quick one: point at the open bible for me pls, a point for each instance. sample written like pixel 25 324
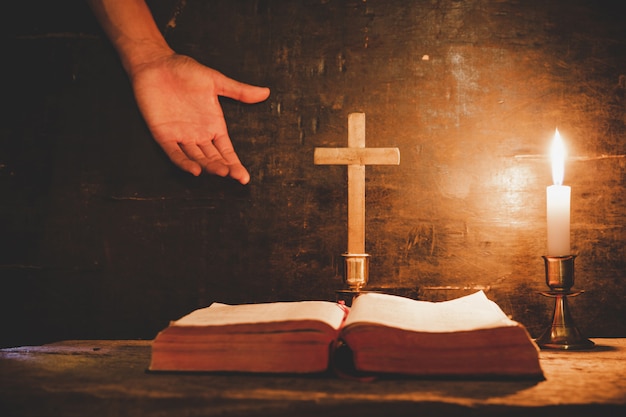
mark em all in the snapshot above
pixel 384 334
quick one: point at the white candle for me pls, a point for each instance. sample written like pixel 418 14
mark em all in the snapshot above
pixel 558 203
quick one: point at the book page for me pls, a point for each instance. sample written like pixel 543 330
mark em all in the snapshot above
pixel 218 314
pixel 471 312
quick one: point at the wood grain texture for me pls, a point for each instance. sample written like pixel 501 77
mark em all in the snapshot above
pixel 356 156
pixel 38 380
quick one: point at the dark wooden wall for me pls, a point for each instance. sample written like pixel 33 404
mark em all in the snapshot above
pixel 102 237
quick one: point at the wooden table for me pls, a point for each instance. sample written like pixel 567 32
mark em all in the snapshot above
pixel 109 378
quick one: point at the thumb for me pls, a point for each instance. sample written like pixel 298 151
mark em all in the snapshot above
pixel 246 93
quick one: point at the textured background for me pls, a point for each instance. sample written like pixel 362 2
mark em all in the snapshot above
pixel 102 237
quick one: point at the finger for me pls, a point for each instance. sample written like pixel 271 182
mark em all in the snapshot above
pixel 208 157
pixel 180 159
pixel 237 171
pixel 223 146
pixel 240 173
pixel 239 91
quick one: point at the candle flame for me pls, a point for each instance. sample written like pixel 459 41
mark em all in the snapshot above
pixel 557 154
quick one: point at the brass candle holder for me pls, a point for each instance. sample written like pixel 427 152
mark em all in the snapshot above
pixel 563 333
pixel 356 270
pixel 355 276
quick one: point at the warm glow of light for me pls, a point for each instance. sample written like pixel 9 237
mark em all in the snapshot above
pixel 557 154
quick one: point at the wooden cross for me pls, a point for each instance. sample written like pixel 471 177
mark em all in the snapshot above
pixel 356 156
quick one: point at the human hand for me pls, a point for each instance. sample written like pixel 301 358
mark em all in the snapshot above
pixel 178 98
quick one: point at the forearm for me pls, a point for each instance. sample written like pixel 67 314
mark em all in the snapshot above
pixel 131 28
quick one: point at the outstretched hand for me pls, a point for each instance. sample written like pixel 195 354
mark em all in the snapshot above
pixel 178 98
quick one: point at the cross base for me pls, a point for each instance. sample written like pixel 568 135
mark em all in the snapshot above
pixel 356 270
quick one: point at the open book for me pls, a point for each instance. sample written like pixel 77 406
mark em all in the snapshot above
pixel 385 334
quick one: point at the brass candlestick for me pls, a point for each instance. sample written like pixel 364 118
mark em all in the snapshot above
pixel 563 333
pixel 356 270
pixel 355 276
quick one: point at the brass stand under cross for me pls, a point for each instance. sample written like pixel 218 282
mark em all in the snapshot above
pixel 356 156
